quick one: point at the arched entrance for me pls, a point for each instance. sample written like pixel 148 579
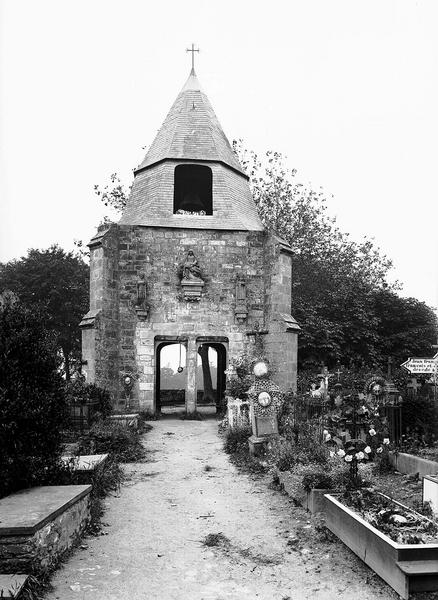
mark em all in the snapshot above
pixel 171 375
pixel 210 373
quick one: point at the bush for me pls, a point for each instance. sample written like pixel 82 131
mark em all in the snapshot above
pixel 236 441
pixel 112 437
pixel 32 399
pixel 318 479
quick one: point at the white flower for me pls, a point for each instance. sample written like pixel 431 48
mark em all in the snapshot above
pixel 348 458
pixel 372 432
pixel 332 454
pixel 360 455
pixel 341 452
pixel 328 437
pixel 367 450
pixel 386 441
pixel 379 449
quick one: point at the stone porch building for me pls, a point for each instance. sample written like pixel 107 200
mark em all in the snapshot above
pixel 188 263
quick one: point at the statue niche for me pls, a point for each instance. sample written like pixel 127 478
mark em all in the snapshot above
pixel 191 280
pixel 140 305
pixel 241 308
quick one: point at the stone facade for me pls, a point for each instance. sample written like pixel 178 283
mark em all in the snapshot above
pixel 245 273
pixel 117 342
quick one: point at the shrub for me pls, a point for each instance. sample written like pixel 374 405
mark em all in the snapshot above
pixel 116 438
pixel 32 399
pixel 318 480
pixel 236 440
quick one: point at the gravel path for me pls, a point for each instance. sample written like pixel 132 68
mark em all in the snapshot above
pixel 152 546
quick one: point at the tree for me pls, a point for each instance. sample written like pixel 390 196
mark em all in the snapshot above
pixel 341 296
pixel 58 282
pixel 32 402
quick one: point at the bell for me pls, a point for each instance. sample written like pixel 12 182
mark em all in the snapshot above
pixel 191 202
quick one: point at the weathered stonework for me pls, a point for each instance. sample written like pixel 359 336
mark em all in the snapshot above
pixel 206 306
pixel 123 343
pixel 36 527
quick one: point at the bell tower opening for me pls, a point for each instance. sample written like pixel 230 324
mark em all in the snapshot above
pixel 193 190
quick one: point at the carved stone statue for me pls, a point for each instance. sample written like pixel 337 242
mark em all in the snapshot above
pixel 190 268
pixel 141 291
pixel 191 280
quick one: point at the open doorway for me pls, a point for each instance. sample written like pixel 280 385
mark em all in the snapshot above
pixel 171 376
pixel 210 377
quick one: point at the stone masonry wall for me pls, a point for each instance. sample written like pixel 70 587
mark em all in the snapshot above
pixel 100 343
pixel 30 553
pixel 158 253
pixel 129 344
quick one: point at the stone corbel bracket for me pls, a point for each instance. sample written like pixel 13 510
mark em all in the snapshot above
pixel 142 312
pixel 192 290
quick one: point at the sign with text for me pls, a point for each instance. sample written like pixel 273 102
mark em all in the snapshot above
pixel 417 366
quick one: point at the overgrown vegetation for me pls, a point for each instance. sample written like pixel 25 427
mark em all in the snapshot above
pixel 123 442
pixel 341 294
pixel 32 399
pixel 56 283
pixel 236 445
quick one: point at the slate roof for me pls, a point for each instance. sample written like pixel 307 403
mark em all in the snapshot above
pixel 191 131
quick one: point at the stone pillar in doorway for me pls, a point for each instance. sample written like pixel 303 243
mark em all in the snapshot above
pixel 192 364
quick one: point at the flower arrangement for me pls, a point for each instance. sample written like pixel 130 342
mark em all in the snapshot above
pixel 354 451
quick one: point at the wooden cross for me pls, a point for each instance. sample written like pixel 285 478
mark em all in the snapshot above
pixel 193 50
pixel 390 362
pixel 414 385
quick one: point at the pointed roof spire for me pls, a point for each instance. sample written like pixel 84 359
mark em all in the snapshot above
pixel 191 131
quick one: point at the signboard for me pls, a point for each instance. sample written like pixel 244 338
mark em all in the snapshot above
pixel 417 366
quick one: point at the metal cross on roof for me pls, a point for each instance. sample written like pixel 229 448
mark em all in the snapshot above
pixel 193 50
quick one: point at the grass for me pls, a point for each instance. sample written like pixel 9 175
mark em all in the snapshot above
pixel 123 442
pixel 215 539
pixel 236 446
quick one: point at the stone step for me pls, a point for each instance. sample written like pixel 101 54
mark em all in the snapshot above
pixel 422 574
pixel 11 585
pixel 419 567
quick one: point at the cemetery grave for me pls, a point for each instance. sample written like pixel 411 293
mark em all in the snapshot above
pixel 378 512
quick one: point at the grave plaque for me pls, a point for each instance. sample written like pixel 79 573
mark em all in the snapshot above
pixel 265 399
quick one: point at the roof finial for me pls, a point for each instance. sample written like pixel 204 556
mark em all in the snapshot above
pixel 193 50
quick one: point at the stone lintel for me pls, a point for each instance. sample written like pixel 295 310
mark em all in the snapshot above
pixel 27 511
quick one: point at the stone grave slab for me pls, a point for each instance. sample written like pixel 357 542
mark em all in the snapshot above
pixel 11 585
pixel 38 524
pixel 130 420
pixel 85 462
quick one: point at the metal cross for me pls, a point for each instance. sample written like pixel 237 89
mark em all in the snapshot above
pixel 193 50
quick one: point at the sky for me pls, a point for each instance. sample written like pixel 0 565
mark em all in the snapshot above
pixel 347 90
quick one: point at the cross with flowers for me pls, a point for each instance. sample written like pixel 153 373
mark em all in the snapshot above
pixel 356 451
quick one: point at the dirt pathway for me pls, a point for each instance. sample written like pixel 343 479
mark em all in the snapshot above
pixel 152 550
